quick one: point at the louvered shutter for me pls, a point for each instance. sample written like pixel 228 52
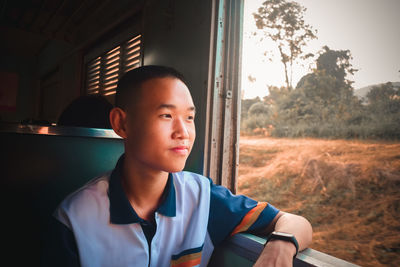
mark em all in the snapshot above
pixel 103 72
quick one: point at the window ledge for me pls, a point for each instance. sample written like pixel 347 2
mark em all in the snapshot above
pixel 244 249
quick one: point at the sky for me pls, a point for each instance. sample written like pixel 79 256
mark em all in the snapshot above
pixel 370 29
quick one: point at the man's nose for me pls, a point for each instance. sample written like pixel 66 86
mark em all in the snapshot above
pixel 180 129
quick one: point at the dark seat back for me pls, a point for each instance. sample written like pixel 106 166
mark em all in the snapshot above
pixel 39 170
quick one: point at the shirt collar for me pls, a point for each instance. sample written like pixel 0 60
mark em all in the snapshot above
pixel 121 211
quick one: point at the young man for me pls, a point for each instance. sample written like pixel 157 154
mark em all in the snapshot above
pixel 147 212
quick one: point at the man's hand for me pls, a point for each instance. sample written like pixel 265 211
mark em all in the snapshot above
pixel 277 253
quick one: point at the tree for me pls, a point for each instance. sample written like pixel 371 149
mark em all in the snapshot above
pixel 323 103
pixel 245 105
pixel 336 66
pixel 384 111
pixel 336 63
pixel 258 116
pixel 283 22
pixel 384 99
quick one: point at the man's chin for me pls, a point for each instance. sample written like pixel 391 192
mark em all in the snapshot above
pixel 175 168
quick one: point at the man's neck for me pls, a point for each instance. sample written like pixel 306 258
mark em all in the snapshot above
pixel 143 187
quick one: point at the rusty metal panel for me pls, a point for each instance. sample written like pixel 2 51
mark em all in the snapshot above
pixel 221 153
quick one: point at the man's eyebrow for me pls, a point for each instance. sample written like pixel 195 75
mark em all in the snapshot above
pixel 171 106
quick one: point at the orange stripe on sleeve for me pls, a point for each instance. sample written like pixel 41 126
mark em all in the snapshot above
pixel 187 260
pixel 250 218
pixel 189 263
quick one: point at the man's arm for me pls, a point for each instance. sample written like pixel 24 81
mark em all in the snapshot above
pixel 231 214
pixel 278 252
pixel 60 248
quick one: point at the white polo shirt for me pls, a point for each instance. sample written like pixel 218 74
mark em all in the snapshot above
pixel 97 226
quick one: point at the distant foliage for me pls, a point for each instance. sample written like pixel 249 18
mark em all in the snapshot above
pixel 323 105
pixel 384 111
pixel 258 117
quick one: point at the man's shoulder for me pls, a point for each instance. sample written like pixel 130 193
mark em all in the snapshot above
pixel 87 197
pixel 191 185
pixel 186 177
pixel 97 185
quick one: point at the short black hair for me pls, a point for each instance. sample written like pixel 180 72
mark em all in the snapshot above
pixel 130 83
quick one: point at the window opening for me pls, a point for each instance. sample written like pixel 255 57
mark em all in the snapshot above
pixel 322 140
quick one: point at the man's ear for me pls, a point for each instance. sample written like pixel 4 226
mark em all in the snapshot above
pixel 118 120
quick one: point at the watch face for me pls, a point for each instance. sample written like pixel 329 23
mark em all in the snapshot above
pixel 282 234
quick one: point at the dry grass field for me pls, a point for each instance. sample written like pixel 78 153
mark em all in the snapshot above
pixel 349 190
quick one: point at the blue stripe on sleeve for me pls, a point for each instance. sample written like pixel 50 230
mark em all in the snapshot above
pixel 187 252
pixel 227 211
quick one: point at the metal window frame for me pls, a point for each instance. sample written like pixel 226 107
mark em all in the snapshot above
pixel 223 103
pixel 244 249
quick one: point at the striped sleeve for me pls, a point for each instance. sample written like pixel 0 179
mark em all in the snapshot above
pixel 190 257
pixel 231 214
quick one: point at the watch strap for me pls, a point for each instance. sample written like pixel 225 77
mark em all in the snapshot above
pixel 284 237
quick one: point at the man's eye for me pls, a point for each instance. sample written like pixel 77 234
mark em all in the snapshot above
pixel 166 116
pixel 190 118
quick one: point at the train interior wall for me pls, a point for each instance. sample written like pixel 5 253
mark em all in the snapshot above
pixel 50 67
pixel 50 72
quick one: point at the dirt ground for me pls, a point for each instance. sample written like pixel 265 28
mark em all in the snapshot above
pixel 348 189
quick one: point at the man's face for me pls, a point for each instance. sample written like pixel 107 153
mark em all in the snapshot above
pixel 160 127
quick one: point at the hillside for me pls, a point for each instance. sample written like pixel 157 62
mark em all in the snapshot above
pixel 363 91
pixel 349 190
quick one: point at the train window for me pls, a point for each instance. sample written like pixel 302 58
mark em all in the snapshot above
pixel 103 72
pixel 322 140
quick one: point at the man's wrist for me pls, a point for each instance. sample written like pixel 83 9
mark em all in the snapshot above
pixel 284 247
pixel 285 238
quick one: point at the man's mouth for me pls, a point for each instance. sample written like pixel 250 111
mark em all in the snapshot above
pixel 182 150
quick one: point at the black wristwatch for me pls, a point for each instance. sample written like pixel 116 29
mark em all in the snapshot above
pixel 285 237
